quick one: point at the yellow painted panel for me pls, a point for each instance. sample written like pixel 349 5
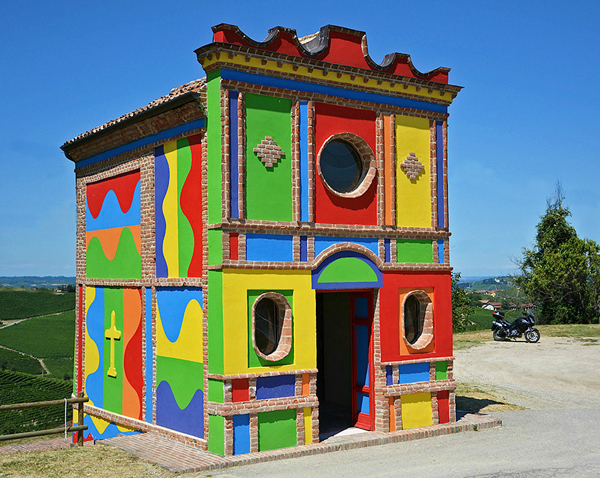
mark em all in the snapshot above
pixel 345 79
pixel 171 244
pixel 308 426
pixel 236 283
pixel 188 345
pixel 413 197
pixel 416 410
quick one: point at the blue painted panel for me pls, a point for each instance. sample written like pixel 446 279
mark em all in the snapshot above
pixel 161 185
pixel 94 324
pixel 111 214
pixel 303 248
pixel 363 403
pixel 322 243
pixel 303 142
pixel 275 387
pixel 241 434
pixel 167 134
pixel 388 250
pixel 269 247
pixel 439 153
pixel 414 372
pixel 330 90
pixel 389 377
pixel 440 251
pixel 362 308
pixel 362 355
pixel 149 355
pixel 171 303
pixel 233 154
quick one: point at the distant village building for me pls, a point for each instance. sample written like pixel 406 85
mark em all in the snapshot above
pixel 263 253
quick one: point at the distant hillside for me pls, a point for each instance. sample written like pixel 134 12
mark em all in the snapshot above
pixel 47 282
pixel 22 303
pixel 492 283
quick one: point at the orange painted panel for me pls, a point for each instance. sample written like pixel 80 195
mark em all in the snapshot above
pixel 109 238
pixel 132 345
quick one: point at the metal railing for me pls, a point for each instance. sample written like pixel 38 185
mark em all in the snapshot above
pixel 80 400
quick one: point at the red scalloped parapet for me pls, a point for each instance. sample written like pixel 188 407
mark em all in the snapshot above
pixel 332 44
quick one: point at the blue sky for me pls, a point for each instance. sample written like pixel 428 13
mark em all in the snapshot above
pixel 525 119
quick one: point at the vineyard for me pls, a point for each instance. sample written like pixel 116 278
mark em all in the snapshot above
pixel 17 387
pixel 22 303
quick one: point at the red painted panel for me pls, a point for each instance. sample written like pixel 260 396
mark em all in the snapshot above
pixel 191 204
pixel 443 406
pixel 234 246
pixel 390 312
pixel 239 390
pixel 123 186
pixel 330 208
pixel 80 341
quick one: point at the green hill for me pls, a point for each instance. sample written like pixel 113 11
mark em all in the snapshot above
pixel 22 303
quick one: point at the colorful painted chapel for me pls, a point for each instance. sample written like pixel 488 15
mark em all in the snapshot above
pixel 262 254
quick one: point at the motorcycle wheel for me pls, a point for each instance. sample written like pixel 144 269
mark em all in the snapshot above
pixel 532 335
pixel 497 336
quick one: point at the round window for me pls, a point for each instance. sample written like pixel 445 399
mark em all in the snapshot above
pixel 413 319
pixel 267 326
pixel 341 166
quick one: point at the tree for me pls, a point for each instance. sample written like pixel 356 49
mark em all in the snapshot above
pixel 561 273
pixel 460 306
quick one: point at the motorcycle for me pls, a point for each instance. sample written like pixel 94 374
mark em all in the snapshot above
pixel 502 329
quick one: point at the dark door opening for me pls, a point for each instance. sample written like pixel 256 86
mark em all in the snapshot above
pixel 343 355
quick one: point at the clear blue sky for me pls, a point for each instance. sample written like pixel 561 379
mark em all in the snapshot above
pixel 525 119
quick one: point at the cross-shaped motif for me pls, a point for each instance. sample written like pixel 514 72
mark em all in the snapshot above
pixel 268 151
pixel 112 334
pixel 412 167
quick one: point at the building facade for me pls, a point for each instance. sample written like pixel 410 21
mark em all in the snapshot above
pixel 262 254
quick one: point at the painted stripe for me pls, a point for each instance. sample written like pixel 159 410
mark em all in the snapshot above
pixel 322 243
pixel 330 90
pixel 413 373
pixel 440 251
pixel 303 248
pixel 387 169
pixel 241 434
pixel 149 355
pixel 234 210
pixel 161 175
pixel 303 143
pixel 389 378
pixel 166 134
pixel 388 250
pixel 439 152
pixel 269 247
pixel 170 209
pixel 307 412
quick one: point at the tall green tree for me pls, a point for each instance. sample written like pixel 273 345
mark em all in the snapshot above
pixel 460 306
pixel 561 273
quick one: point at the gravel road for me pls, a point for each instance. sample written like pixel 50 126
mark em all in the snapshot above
pixel 555 373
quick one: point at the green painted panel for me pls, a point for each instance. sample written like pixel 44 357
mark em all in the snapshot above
pixel 347 269
pixel 277 430
pixel 215 322
pixel 215 391
pixel 216 434
pixel 253 359
pixel 441 370
pixel 184 377
pixel 215 246
pixel 414 250
pixel 186 235
pixel 213 146
pixel 113 386
pixel 268 189
pixel 127 263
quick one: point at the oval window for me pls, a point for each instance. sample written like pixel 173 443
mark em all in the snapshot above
pixel 341 166
pixel 413 319
pixel 267 326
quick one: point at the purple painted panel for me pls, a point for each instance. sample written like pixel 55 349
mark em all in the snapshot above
pixel 190 420
pixel 275 387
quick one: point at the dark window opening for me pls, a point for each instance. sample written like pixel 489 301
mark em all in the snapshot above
pixel 341 166
pixel 413 319
pixel 267 326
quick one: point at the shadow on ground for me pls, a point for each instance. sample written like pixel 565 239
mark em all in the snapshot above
pixel 477 405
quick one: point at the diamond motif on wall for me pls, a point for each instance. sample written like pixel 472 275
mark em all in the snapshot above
pixel 412 167
pixel 268 151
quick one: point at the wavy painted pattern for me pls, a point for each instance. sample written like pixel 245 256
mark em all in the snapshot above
pixel 113 238
pixel 178 208
pixel 100 429
pixel 121 308
pixel 179 360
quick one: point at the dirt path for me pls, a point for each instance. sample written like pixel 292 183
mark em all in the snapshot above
pixel 555 373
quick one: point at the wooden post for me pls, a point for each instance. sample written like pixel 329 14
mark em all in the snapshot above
pixel 80 419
